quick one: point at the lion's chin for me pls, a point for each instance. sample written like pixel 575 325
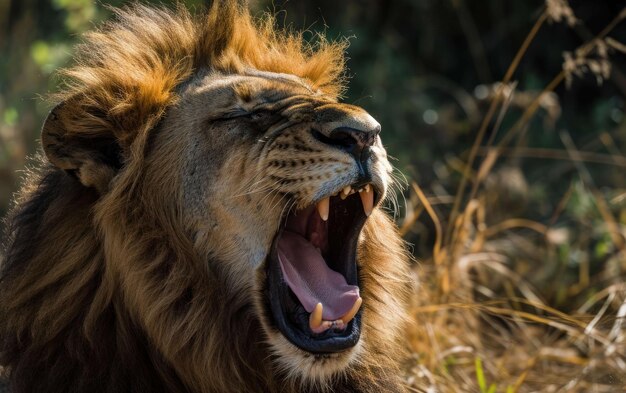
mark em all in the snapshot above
pixel 312 290
pixel 310 369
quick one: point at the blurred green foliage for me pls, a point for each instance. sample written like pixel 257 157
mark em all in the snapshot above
pixel 425 69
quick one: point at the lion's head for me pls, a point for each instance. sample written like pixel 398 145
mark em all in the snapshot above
pixel 212 205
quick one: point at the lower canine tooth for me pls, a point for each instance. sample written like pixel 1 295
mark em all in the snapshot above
pixel 315 319
pixel 350 314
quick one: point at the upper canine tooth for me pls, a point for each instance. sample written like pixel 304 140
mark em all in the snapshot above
pixel 367 198
pixel 323 207
pixel 367 188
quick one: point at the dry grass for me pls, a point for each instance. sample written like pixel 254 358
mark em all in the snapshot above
pixel 479 323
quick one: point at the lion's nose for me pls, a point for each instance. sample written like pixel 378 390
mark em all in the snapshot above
pixel 356 142
pixel 348 128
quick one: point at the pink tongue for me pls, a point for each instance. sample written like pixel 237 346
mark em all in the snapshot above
pixel 312 280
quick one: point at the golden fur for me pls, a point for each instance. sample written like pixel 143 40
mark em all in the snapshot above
pixel 135 252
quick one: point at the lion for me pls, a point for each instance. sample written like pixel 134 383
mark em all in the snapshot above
pixel 205 217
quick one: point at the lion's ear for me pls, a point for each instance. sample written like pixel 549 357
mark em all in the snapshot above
pixel 93 156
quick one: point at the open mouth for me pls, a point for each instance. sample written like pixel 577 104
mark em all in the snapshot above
pixel 313 287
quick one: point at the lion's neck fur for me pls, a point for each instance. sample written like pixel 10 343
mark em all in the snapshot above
pixel 71 316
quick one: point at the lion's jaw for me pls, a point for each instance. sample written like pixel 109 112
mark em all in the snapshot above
pixel 265 161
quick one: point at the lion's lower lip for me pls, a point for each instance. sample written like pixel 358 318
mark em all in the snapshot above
pixel 291 306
